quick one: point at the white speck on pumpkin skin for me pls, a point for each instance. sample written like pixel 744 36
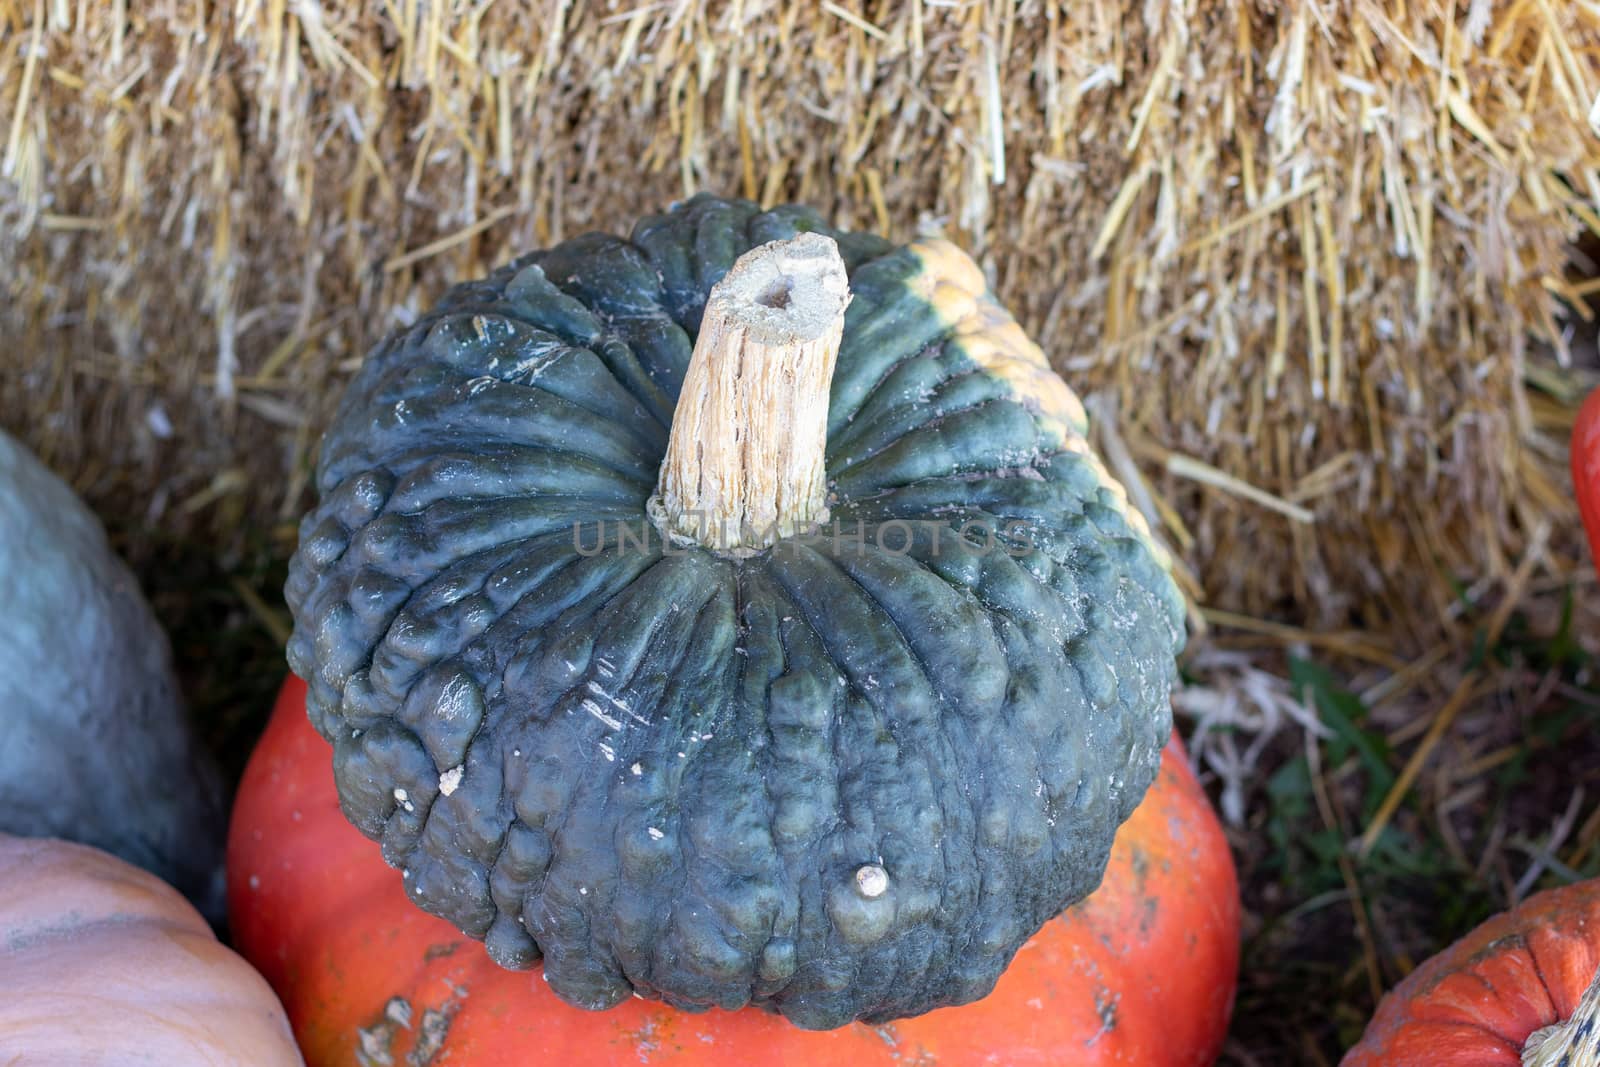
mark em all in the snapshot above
pixel 872 881
pixel 594 709
pixel 398 1011
pixel 455 700
pixel 450 780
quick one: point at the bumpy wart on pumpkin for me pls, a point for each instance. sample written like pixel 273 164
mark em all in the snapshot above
pixel 844 775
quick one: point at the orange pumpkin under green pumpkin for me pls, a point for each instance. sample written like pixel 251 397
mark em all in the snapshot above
pixel 105 965
pixel 1142 972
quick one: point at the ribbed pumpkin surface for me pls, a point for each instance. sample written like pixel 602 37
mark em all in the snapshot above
pixel 1476 1003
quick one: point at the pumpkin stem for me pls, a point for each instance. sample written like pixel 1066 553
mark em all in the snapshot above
pixel 744 465
pixel 1573 1043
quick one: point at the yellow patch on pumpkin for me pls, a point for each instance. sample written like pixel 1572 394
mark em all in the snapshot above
pixel 956 288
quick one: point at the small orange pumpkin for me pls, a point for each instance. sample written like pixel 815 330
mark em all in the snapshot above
pixel 104 964
pixel 1142 972
pixel 1482 1001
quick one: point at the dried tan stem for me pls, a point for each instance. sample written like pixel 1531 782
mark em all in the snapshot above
pixel 744 464
pixel 1573 1043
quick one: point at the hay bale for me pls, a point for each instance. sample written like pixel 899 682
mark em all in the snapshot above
pixel 1300 247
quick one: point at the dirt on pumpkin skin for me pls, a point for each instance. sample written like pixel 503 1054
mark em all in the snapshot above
pixel 1105 1006
pixel 376 1042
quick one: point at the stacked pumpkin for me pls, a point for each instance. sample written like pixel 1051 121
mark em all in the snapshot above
pixel 732 616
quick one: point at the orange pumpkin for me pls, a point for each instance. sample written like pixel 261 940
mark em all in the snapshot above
pixel 1140 973
pixel 1585 456
pixel 1482 1001
pixel 104 964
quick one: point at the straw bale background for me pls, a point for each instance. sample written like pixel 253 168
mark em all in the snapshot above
pixel 1313 261
pixel 1303 245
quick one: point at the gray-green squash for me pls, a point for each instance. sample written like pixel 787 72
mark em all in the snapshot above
pixel 95 745
pixel 843 776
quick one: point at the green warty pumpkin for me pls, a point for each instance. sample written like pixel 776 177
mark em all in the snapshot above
pixel 843 777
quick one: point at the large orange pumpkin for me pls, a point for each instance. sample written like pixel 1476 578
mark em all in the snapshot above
pixel 102 963
pixel 1140 973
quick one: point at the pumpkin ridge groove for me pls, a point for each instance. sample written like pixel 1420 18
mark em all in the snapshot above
pixel 632 427
pixel 936 422
pixel 770 756
pixel 892 617
pixel 494 559
pixel 929 352
pixel 608 346
pixel 849 416
pixel 1538 970
pixel 874 422
pixel 551 353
